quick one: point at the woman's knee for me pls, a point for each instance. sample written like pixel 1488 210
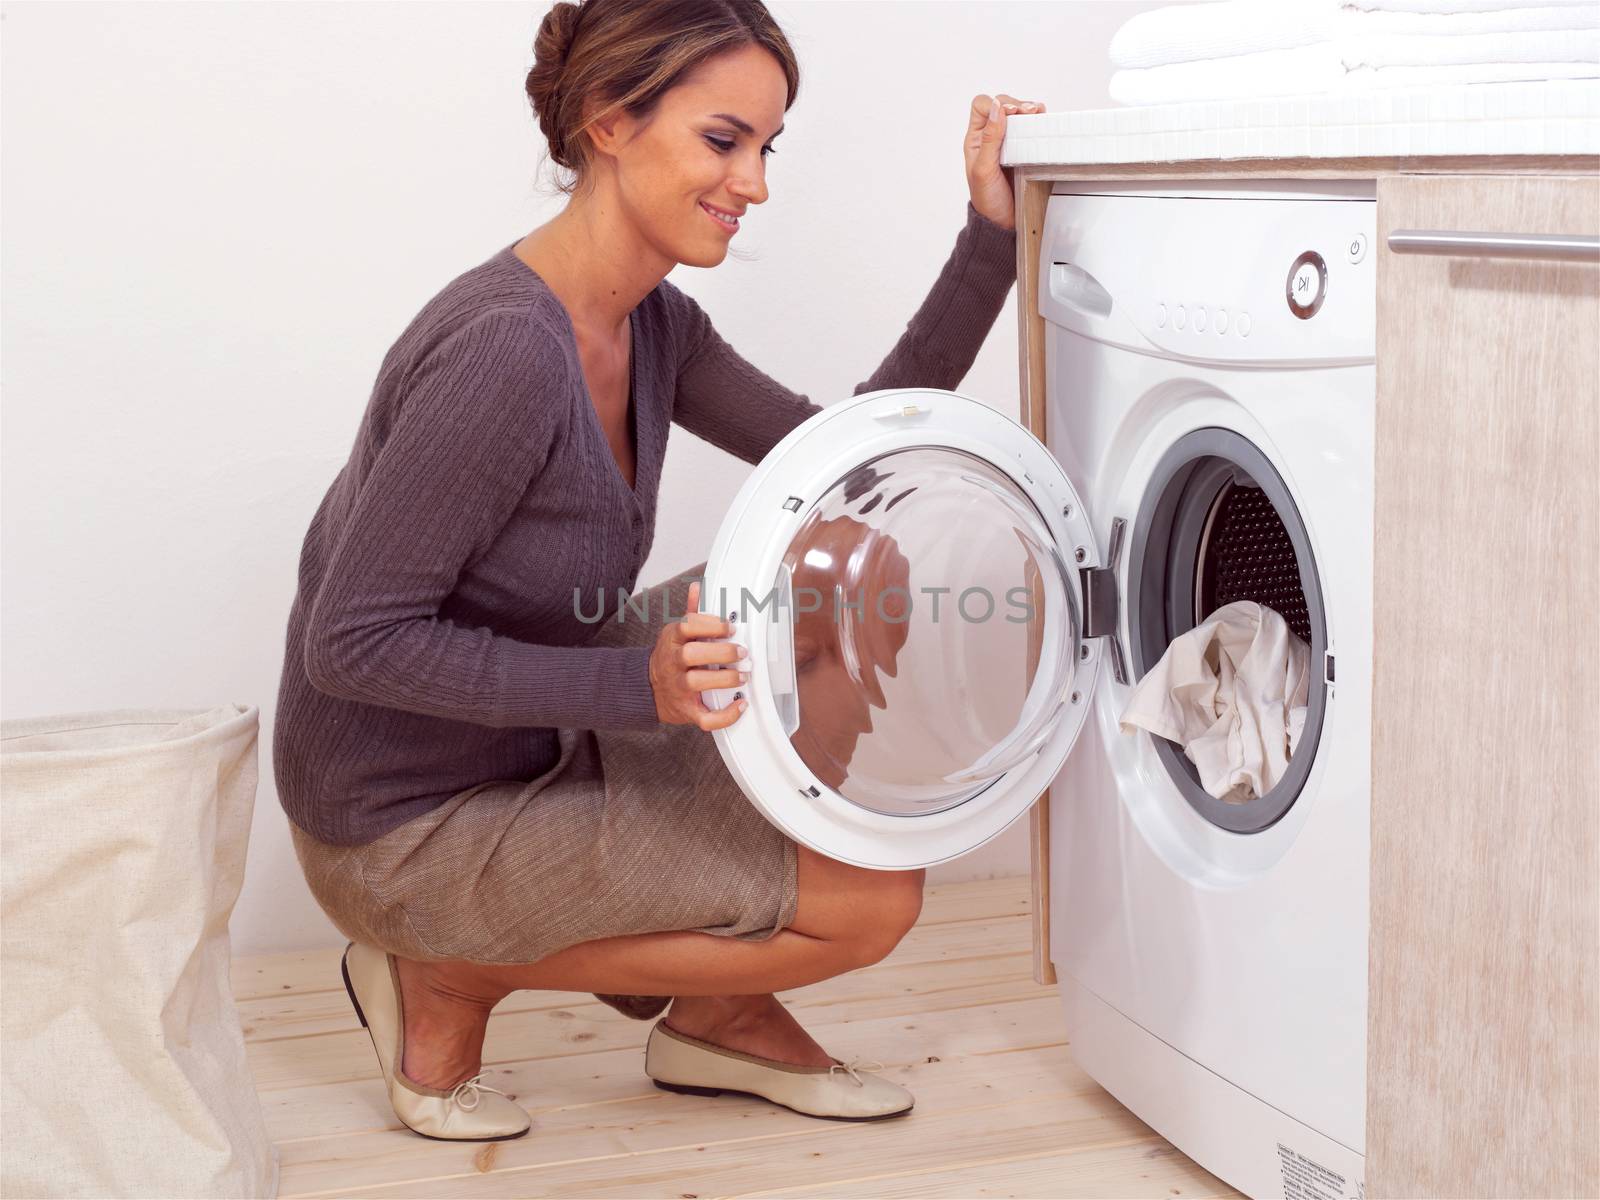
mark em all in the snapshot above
pixel 865 910
pixel 897 910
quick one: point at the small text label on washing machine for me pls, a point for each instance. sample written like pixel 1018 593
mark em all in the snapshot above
pixel 1307 1179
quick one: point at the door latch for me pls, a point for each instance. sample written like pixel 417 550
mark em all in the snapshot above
pixel 1101 607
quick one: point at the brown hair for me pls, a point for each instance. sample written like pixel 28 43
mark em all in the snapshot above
pixel 626 54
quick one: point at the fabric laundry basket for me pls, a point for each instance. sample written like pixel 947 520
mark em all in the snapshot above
pixel 122 1062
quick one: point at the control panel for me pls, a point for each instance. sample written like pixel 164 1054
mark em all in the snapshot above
pixel 1255 277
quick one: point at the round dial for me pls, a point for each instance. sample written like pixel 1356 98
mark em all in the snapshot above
pixel 1307 284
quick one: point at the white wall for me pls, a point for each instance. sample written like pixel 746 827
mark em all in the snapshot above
pixel 218 217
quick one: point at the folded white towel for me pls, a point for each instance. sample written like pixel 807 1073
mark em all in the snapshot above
pixel 1313 69
pixel 1429 50
pixel 1351 20
pixel 1204 32
pixel 1232 691
pixel 1461 6
pixel 1367 78
pixel 1199 32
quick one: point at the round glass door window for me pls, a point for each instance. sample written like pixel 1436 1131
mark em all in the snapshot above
pixel 925 633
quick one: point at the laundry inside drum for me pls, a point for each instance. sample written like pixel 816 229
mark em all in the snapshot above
pixel 1232 694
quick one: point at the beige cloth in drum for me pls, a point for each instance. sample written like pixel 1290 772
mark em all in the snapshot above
pixel 1232 692
pixel 630 832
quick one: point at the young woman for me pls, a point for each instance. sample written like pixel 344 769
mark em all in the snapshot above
pixel 488 791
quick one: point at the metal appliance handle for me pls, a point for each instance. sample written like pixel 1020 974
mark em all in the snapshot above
pixel 1549 246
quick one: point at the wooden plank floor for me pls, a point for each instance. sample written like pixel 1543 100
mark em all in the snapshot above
pixel 953 1012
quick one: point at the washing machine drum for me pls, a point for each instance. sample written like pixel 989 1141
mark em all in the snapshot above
pixel 1247 553
pixel 1217 524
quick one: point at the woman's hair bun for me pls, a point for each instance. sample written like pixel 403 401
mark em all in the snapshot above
pixel 551 47
pixel 554 39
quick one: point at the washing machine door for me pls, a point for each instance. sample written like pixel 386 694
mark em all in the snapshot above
pixel 905 570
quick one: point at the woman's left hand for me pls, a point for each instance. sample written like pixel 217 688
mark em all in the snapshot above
pixel 988 181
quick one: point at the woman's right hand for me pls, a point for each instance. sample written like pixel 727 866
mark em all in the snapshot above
pixel 678 668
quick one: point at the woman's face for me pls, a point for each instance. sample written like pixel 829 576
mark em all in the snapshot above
pixel 704 146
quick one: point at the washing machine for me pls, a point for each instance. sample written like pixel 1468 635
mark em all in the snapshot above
pixel 945 617
pixel 1213 957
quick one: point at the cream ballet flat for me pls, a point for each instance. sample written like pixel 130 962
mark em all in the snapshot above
pixel 472 1111
pixel 680 1063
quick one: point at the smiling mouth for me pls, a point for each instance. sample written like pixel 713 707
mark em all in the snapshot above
pixel 729 223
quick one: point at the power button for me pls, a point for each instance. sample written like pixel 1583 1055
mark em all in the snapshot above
pixel 1307 284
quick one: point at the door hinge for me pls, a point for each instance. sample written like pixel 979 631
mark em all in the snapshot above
pixel 1101 606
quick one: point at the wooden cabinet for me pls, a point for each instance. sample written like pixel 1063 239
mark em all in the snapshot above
pixel 1483 1057
pixel 1483 1038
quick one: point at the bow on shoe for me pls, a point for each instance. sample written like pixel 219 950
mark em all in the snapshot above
pixel 472 1087
pixel 851 1068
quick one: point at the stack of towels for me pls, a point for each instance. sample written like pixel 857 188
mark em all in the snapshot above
pixel 1291 47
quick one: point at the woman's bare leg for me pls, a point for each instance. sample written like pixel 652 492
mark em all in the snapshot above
pixel 847 917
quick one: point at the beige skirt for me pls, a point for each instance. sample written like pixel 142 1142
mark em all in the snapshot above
pixel 629 832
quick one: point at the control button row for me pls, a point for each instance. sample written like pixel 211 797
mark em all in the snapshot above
pixel 1203 318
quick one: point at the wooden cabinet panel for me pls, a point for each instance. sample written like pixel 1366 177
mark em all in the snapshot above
pixel 1032 195
pixel 1483 1056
